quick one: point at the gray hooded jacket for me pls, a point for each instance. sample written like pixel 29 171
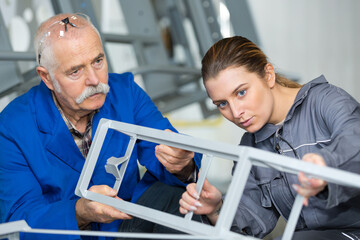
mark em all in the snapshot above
pixel 324 119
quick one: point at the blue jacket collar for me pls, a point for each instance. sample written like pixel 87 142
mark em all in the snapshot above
pixel 47 115
pixel 59 138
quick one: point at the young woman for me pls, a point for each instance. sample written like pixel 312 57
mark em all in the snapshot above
pixel 316 122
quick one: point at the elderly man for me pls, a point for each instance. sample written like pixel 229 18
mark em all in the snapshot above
pixel 46 133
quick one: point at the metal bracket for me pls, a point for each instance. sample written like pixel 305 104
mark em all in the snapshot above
pixel 112 164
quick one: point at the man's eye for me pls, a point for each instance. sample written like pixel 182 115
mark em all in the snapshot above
pixel 75 74
pixel 99 62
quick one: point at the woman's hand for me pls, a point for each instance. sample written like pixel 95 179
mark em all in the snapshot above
pixel 208 203
pixel 310 186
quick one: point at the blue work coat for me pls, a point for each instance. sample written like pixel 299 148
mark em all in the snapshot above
pixel 40 162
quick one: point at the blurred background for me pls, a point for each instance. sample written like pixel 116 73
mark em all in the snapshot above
pixel 162 43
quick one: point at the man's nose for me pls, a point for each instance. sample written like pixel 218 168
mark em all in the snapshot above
pixel 92 78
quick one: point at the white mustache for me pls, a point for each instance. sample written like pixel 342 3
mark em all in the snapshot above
pixel 89 91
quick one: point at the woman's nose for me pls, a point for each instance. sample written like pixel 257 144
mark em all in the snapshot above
pixel 236 109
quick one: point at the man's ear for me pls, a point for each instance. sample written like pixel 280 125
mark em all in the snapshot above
pixel 45 77
pixel 270 75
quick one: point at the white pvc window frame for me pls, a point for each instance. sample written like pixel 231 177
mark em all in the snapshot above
pixel 244 156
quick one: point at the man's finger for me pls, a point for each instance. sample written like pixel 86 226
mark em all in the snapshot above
pixel 104 190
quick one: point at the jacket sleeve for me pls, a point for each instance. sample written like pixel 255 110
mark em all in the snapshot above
pixel 341 114
pixel 255 215
pixel 21 196
pixel 146 114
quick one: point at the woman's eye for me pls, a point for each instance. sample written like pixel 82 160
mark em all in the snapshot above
pixel 221 105
pixel 241 93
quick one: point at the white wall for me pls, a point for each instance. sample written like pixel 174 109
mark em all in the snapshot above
pixel 312 37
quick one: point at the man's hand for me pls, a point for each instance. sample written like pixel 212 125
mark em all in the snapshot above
pixel 89 211
pixel 310 186
pixel 175 160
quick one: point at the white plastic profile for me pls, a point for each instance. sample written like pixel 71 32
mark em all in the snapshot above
pixel 244 156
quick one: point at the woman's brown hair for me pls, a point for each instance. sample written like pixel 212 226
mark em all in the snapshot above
pixel 238 51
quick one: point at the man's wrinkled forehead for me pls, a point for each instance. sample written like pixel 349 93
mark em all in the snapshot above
pixel 82 47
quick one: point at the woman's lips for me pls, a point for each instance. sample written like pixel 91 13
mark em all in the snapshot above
pixel 247 122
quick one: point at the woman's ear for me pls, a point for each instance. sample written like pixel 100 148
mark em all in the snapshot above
pixel 45 77
pixel 270 75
